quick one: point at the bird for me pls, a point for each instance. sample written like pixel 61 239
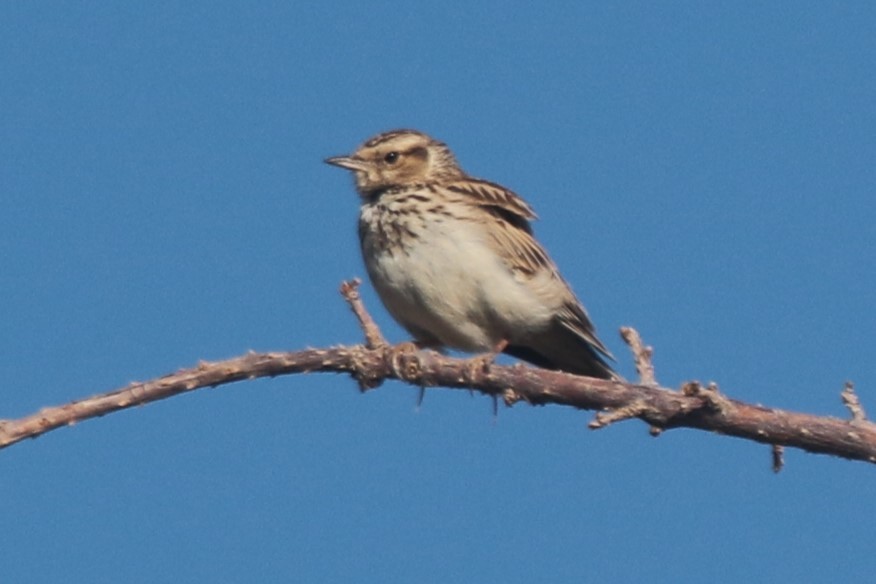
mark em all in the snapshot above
pixel 454 260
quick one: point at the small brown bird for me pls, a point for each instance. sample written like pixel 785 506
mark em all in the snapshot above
pixel 454 260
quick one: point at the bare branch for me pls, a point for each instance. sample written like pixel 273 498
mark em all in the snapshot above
pixel 850 398
pixel 603 419
pixel 661 408
pixel 373 336
pixel 641 354
pixel 712 396
pixel 778 458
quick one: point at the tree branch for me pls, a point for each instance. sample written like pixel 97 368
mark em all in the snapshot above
pixel 641 355
pixel 694 406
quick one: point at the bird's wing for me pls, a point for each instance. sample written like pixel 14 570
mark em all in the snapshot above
pixel 507 216
pixel 511 236
pixel 512 240
pixel 573 316
pixel 482 192
pixel 524 256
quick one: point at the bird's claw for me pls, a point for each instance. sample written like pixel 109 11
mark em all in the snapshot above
pixel 480 364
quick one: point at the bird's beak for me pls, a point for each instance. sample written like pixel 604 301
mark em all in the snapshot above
pixel 347 162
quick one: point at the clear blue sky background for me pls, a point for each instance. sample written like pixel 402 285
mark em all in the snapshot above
pixel 704 173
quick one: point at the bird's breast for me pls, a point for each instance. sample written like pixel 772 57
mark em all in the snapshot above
pixel 436 273
pixel 390 227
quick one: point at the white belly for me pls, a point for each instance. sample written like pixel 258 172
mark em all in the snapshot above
pixel 448 285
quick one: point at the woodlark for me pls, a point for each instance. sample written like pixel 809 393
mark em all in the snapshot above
pixel 454 260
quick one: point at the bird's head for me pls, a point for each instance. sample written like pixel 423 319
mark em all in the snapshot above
pixel 398 158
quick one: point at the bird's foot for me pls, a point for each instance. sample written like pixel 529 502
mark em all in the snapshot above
pixel 400 352
pixel 406 348
pixel 482 363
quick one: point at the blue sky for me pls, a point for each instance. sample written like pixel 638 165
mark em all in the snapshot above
pixel 702 172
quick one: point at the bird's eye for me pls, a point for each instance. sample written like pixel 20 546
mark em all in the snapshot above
pixel 391 157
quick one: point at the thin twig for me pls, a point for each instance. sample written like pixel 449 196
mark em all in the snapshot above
pixel 373 337
pixel 778 452
pixel 603 419
pixel 850 399
pixel 642 355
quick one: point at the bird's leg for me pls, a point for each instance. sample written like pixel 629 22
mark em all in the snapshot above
pixel 414 346
pixel 481 363
pixel 399 351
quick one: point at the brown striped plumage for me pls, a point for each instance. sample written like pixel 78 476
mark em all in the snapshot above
pixel 454 260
